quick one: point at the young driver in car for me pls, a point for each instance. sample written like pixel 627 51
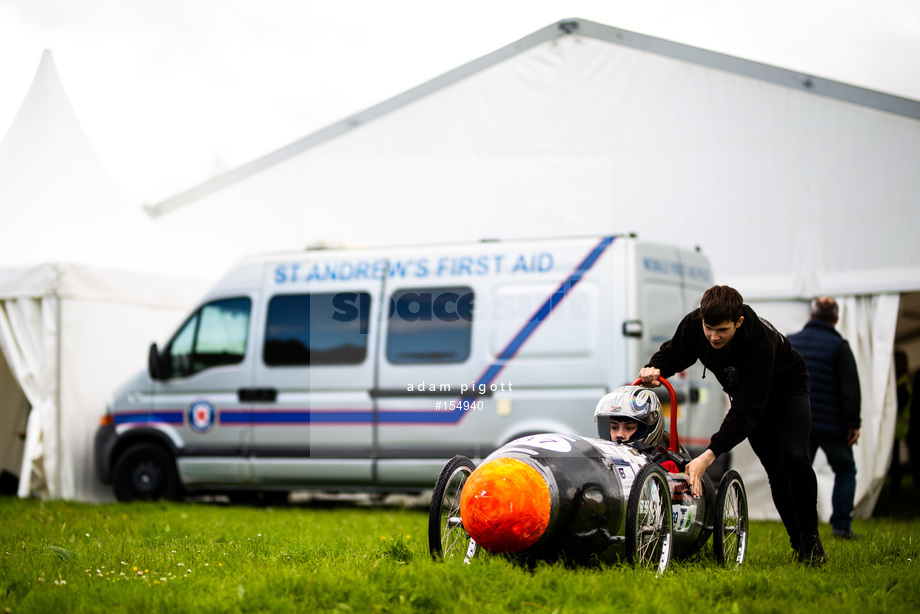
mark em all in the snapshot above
pixel 632 414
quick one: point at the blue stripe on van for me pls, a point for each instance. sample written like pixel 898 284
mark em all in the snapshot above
pixel 418 417
pixel 261 418
pixel 167 417
pixel 235 417
pixel 360 417
pixel 508 353
pixel 296 416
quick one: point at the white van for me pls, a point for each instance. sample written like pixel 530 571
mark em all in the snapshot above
pixel 367 369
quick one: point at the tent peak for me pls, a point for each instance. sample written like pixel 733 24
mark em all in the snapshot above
pixel 67 206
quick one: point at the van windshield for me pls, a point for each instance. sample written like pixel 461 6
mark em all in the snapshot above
pixel 215 335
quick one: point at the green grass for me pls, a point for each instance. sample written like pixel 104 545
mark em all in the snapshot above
pixel 168 557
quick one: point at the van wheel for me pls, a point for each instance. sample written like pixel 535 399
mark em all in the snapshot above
pixel 146 472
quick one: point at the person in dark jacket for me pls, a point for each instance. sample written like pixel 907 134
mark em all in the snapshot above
pixel 904 391
pixel 767 382
pixel 835 402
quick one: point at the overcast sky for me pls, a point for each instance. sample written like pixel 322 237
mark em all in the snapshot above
pixel 171 92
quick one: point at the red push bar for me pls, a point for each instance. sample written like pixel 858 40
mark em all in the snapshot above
pixel 674 443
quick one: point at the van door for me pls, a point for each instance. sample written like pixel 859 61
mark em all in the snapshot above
pixel 425 367
pixel 208 360
pixel 314 423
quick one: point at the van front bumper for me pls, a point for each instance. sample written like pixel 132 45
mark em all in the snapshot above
pixel 102 452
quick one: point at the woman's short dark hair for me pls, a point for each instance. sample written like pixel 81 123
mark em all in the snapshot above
pixel 721 303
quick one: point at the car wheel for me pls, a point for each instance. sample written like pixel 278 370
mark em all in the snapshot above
pixel 648 520
pixel 446 536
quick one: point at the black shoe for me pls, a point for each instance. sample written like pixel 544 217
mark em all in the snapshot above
pixel 847 534
pixel 812 552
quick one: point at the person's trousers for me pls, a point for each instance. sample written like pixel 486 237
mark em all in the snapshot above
pixel 840 458
pixel 780 441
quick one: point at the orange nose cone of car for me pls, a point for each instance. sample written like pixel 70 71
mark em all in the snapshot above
pixel 505 505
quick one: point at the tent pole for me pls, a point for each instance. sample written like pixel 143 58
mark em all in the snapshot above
pixel 57 398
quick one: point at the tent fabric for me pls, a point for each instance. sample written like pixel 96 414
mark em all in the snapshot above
pixel 28 338
pixel 86 284
pixel 28 281
pixel 870 330
pixel 68 350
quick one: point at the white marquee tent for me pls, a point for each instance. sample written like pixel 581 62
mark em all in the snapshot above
pixel 84 288
pixel 792 184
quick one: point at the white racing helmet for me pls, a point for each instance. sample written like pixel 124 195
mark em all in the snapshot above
pixel 636 402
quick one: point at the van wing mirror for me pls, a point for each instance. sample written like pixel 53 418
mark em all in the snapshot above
pixel 155 363
pixel 633 328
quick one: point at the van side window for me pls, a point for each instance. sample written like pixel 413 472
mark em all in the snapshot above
pixel 429 325
pixel 215 335
pixel 317 329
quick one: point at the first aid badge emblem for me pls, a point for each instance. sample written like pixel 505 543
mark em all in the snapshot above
pixel 201 416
